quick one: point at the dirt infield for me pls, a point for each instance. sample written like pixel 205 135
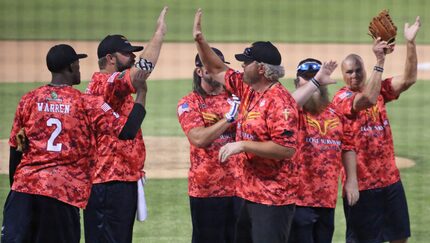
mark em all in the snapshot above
pixel 167 157
pixel 24 61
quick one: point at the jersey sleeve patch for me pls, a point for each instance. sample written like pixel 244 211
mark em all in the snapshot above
pixel 183 108
pixel 345 94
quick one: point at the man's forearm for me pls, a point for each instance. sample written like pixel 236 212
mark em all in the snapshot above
pixel 411 65
pixel 268 149
pixel 349 161
pixel 302 94
pixel 204 136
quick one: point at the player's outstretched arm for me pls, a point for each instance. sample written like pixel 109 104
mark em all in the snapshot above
pixel 409 77
pixel 214 65
pixel 149 57
pixel 302 94
pixel 369 96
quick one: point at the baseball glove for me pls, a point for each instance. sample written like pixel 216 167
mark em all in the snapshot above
pixel 382 26
pixel 21 140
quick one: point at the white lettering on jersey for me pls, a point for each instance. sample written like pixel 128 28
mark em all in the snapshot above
pixel 53 108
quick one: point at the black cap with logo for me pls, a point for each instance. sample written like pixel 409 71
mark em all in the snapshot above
pixel 115 43
pixel 199 63
pixel 261 51
pixel 61 56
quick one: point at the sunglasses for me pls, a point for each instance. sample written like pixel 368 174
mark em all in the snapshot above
pixel 309 66
pixel 248 52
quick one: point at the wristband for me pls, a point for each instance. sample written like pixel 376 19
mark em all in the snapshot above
pixel 315 82
pixel 145 65
pixel 232 114
pixel 378 69
pixel 229 119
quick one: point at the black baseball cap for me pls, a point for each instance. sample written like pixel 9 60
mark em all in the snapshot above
pixel 61 56
pixel 308 67
pixel 261 51
pixel 199 63
pixel 115 43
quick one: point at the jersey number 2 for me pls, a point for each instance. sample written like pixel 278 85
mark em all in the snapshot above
pixel 51 146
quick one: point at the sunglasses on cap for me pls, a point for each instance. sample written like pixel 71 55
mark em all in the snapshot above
pixel 309 66
pixel 248 51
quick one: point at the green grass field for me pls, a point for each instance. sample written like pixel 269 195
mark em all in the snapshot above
pixel 330 21
pixel 169 219
pixel 339 21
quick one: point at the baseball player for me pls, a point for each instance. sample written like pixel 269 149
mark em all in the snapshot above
pixel 266 138
pixel 381 214
pixel 324 137
pixel 109 216
pixel 50 177
pixel 207 115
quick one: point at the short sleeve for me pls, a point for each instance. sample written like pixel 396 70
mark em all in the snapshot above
pixel 17 121
pixel 343 102
pixel 387 91
pixel 118 88
pixel 103 119
pixel 189 115
pixel 348 134
pixel 234 83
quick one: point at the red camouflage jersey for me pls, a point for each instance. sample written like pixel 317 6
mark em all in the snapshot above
pixel 117 160
pixel 61 124
pixel 267 116
pixel 373 139
pixel 208 177
pixel 322 138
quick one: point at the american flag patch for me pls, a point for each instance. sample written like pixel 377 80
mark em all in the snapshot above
pixel 112 77
pixel 105 107
pixel 345 94
pixel 183 108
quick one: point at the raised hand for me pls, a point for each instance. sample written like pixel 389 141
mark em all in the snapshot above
pixel 381 48
pixel 412 30
pixel 323 75
pixel 161 23
pixel 197 28
pixel 232 114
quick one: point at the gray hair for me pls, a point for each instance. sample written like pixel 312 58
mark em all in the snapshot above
pixel 273 72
